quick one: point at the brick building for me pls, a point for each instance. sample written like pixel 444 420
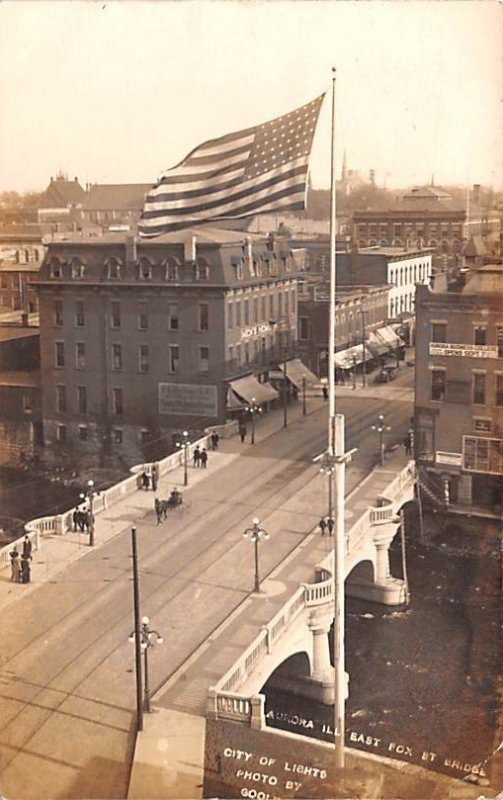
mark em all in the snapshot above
pixel 112 205
pixel 140 338
pixel 459 391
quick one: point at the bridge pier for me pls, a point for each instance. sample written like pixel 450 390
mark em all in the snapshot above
pixel 382 587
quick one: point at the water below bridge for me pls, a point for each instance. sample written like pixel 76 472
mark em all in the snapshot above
pixel 423 679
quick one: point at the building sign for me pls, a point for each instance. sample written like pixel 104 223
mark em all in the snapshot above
pixel 189 399
pixel 464 350
pixel 482 454
pixel 451 459
pixel 255 330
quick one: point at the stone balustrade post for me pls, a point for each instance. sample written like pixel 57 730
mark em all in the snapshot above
pixel 257 718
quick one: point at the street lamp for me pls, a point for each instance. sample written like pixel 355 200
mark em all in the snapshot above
pixel 148 637
pixel 381 429
pixel 253 409
pixel 185 447
pixel 255 534
pixel 304 408
pixel 89 495
pixel 364 365
pixel 327 468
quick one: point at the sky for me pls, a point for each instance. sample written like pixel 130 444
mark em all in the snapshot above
pixel 118 92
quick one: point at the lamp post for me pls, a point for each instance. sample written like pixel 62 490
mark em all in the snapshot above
pixel 185 447
pixel 148 637
pixel 285 389
pixel 253 409
pixel 255 534
pixel 89 495
pixel 381 429
pixel 354 372
pixel 304 408
pixel 364 364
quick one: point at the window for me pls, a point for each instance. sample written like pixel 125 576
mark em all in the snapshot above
pixel 115 311
pixel 118 403
pixel 231 353
pixel 171 271
pixel 499 341
pixel 113 268
pixel 204 359
pixel 255 309
pixel 280 304
pixel 173 357
pixel 61 433
pixel 479 388
pixel 143 358
pixel 76 269
pixel 80 355
pixel 204 321
pixel 55 268
pixel 27 404
pixel 480 334
pixel 83 433
pixel 271 306
pixel 264 307
pixel 117 435
pixel 438 384
pixel 202 271
pixel 482 454
pixel 79 313
pixel 61 399
pixel 58 313
pixel 144 269
pixel 238 314
pixel 173 316
pixel 116 357
pixel 499 390
pixel 142 317
pixel 247 312
pixel 59 354
pixel 230 315
pixel 238 270
pixel 303 327
pixel 81 400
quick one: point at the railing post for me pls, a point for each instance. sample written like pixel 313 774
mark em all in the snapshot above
pixel 257 716
pixel 211 703
pixel 268 643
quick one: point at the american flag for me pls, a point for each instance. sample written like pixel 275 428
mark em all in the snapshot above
pixel 249 172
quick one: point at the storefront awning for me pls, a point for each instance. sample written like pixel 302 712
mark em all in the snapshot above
pixel 296 371
pixel 376 346
pixel 389 337
pixel 352 357
pixel 249 389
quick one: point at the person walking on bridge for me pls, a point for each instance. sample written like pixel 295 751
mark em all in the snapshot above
pixel 15 565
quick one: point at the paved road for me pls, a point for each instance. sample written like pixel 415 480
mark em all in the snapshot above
pixel 67 692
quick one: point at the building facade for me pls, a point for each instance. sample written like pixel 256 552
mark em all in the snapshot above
pixel 140 338
pixel 459 391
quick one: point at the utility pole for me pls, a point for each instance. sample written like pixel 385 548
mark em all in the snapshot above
pixel 364 364
pixel 137 629
pixel 285 389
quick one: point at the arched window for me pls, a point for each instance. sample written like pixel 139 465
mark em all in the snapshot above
pixel 171 269
pixel 55 268
pixel 145 269
pixel 202 269
pixel 113 268
pixel 36 254
pixel 76 268
pixel 27 256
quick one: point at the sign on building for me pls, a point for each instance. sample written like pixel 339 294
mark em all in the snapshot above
pixel 464 350
pixel 451 459
pixel 189 399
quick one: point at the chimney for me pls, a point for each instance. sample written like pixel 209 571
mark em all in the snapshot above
pixel 249 251
pixel 476 193
pixel 189 249
pixel 130 249
pixel 24 319
pixel 372 177
pixel 76 180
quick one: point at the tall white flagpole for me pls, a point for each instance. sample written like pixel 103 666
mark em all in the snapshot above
pixel 331 331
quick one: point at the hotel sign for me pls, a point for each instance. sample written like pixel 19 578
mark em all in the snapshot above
pixel 464 350
pixel 451 459
pixel 255 330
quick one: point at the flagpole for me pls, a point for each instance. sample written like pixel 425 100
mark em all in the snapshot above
pixel 337 458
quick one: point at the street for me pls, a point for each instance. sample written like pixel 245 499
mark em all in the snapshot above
pixel 67 668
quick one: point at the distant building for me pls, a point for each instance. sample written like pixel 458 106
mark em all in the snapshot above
pixel 20 395
pixel 21 254
pixel 360 312
pixel 114 205
pixel 141 338
pixel 459 392
pixel 61 201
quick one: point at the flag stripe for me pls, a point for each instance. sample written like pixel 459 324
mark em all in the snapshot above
pixel 178 203
pixel 176 200
pixel 236 174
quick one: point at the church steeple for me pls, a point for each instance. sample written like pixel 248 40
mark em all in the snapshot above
pixel 344 174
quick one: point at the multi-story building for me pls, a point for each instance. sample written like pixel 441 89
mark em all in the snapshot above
pixel 21 254
pixel 114 205
pixel 360 312
pixel 140 338
pixel 459 391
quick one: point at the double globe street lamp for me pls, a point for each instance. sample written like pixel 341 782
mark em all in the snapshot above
pixel 148 638
pixel 253 410
pixel 255 534
pixel 184 446
pixel 381 429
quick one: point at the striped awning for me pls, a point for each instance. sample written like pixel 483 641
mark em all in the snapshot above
pixel 296 371
pixel 249 390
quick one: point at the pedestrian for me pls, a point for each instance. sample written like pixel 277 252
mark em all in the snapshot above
pixel 158 509
pixel 325 392
pixel 215 438
pixel 88 519
pixel 25 570
pixel 196 456
pixel 330 526
pixel 323 525
pixel 15 565
pixel 164 509
pixel 145 480
pixel 155 476
pixel 204 457
pixel 242 431
pixel 406 444
pixel 82 520
pixel 75 519
pixel 27 547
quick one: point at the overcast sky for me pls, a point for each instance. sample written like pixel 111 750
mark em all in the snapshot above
pixel 119 91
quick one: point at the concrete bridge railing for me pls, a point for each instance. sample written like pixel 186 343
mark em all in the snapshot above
pixel 224 700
